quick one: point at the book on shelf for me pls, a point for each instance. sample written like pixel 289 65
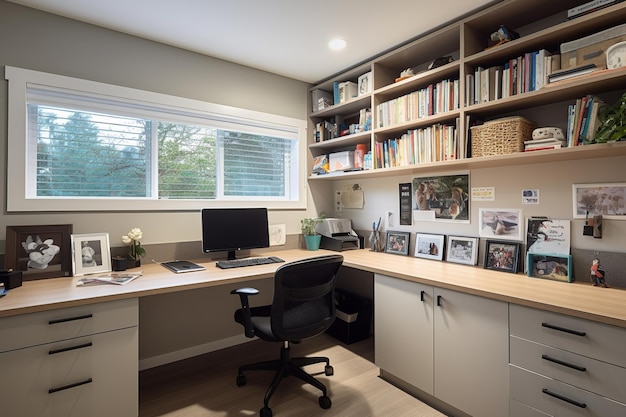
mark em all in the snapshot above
pixel 116 278
pixel 590 7
pixel 571 72
pixel 582 120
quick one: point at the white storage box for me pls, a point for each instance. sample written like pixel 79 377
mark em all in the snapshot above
pixel 341 161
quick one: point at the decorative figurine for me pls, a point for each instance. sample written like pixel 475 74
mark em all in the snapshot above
pixel 597 275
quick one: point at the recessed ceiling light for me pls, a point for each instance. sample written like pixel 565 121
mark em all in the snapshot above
pixel 337 44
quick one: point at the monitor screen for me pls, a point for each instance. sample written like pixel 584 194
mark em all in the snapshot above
pixel 232 229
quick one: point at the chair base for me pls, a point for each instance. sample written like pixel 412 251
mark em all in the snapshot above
pixel 286 366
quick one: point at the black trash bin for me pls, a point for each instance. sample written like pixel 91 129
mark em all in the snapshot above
pixel 354 317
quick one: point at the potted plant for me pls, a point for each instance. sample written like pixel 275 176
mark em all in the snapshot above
pixel 311 237
pixel 612 122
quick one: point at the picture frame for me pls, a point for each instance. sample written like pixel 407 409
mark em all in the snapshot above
pixel 503 224
pixel 462 250
pixel 429 246
pixel 41 251
pixel 601 199
pixel 554 267
pixel 441 198
pixel 91 254
pixel 364 83
pixel 398 242
pixel 502 256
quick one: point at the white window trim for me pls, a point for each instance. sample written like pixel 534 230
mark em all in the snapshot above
pixel 17 159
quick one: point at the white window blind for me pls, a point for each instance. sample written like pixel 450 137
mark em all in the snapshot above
pixel 95 145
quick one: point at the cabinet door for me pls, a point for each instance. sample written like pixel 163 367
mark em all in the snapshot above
pixel 404 330
pixel 95 376
pixel 471 353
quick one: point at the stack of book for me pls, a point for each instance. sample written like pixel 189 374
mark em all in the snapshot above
pixel 582 120
pixel 544 144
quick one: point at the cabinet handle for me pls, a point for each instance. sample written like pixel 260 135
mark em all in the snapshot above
pixel 439 300
pixel 422 294
pixel 67 349
pixel 563 398
pixel 563 329
pixel 75 384
pixel 57 321
pixel 560 362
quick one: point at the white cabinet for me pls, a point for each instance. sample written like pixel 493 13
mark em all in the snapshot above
pixel 73 362
pixel 403 335
pixel 451 345
pixel 565 366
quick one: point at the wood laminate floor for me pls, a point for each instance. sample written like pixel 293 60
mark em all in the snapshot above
pixel 205 385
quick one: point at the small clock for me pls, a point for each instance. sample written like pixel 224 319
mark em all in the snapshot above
pixel 616 55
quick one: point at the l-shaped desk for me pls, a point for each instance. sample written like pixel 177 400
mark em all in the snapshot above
pixel 93 331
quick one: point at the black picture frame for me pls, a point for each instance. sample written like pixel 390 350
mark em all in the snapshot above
pixel 398 242
pixel 39 251
pixel 502 256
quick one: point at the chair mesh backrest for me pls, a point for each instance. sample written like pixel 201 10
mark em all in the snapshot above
pixel 304 297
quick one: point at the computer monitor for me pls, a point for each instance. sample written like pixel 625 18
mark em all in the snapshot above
pixel 233 229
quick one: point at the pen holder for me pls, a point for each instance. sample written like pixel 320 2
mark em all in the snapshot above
pixel 377 242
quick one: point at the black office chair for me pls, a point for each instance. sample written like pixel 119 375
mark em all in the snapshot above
pixel 303 307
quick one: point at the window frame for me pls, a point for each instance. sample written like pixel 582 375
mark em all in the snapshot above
pixel 17 161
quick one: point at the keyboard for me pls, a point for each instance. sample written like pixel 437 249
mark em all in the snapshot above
pixel 237 263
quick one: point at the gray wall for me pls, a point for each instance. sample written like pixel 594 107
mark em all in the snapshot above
pixel 41 41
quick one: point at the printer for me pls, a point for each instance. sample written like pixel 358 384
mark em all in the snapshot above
pixel 337 235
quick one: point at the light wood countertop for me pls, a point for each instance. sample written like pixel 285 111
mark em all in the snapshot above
pixel 605 305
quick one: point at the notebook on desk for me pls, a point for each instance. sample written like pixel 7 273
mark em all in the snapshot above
pixel 182 266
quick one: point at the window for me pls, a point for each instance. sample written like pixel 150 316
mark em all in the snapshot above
pixel 81 145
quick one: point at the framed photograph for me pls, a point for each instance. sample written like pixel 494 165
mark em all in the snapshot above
pixel 502 256
pixel 365 83
pixel 444 197
pixel 429 246
pixel 550 266
pixel 91 254
pixel 505 224
pixel 398 242
pixel 462 250
pixel 39 251
pixel 607 200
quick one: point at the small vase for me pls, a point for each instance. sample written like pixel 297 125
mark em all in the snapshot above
pixel 312 241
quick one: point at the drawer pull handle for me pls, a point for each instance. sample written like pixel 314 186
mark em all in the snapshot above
pixel 563 329
pixel 422 294
pixel 86 316
pixel 560 362
pixel 439 300
pixel 67 349
pixel 74 385
pixel 563 398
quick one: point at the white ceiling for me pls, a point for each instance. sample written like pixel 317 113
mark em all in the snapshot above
pixel 286 37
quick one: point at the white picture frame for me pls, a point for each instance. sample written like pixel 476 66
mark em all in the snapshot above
pixel 365 84
pixel 607 200
pixel 91 253
pixel 503 224
pixel 429 246
pixel 462 250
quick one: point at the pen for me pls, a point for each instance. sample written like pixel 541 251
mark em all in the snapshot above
pixel 378 227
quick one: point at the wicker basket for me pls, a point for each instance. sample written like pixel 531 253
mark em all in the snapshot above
pixel 501 136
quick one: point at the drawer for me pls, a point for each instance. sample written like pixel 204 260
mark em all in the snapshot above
pixel 66 323
pixel 583 372
pixel 559 399
pixel 588 338
pixel 517 409
pixel 88 376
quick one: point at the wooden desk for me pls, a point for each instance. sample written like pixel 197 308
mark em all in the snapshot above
pixel 112 329
pixel 579 299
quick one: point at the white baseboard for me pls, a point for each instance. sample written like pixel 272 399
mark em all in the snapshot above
pixel 190 352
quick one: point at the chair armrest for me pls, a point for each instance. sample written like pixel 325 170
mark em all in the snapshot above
pixel 244 293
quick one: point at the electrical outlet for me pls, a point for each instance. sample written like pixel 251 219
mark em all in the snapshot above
pixel 277 234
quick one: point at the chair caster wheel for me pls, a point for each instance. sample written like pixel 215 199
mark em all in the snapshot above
pixel 328 370
pixel 325 402
pixel 265 412
pixel 241 380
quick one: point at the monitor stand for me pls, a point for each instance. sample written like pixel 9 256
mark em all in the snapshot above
pixel 231 255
